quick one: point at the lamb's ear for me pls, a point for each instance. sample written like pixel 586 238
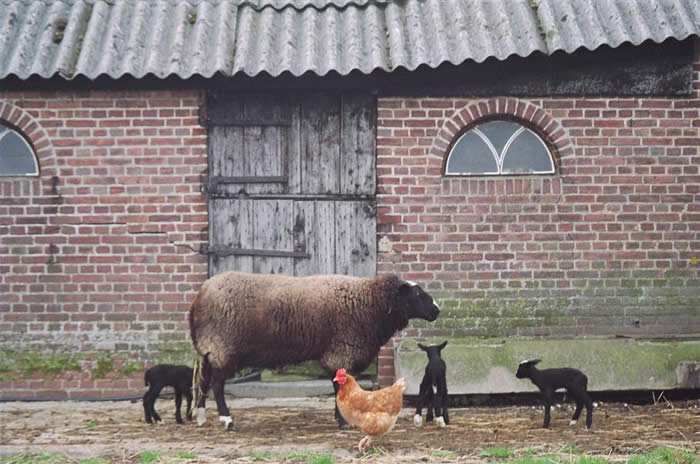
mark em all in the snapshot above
pixel 533 362
pixel 422 347
pixel 442 345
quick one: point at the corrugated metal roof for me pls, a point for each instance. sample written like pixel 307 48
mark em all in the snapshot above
pixel 189 37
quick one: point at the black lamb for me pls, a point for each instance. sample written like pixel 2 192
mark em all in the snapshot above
pixel 164 375
pixel 548 380
pixel 433 388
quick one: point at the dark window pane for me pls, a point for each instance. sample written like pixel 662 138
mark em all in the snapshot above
pixel 471 155
pixel 16 158
pixel 526 154
pixel 498 133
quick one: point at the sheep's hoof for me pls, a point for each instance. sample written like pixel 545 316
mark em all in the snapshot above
pixel 417 420
pixel 572 422
pixel 440 422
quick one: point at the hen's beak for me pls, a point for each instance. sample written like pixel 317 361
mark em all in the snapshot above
pixel 335 379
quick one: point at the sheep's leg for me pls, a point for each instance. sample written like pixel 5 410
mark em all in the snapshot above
pixel 547 400
pixel 338 417
pixel 178 405
pixel 224 414
pixel 203 389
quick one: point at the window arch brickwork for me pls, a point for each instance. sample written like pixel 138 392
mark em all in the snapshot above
pixel 549 127
pixel 26 124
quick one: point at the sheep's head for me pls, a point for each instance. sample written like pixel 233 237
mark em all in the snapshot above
pixel 417 303
pixel 525 368
pixel 341 376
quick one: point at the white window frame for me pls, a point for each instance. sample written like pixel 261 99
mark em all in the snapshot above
pixel 35 161
pixel 499 157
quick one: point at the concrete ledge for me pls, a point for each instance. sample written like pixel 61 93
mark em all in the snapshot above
pixel 489 365
pixel 297 389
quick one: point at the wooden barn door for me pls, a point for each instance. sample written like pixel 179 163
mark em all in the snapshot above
pixel 291 184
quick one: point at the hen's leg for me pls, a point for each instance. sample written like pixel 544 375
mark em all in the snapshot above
pixel 364 443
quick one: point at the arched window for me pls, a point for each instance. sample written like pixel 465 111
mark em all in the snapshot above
pixel 17 157
pixel 499 147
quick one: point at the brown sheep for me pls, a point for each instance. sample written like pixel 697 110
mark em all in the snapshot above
pixel 240 320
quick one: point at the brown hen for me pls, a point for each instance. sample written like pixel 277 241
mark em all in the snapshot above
pixel 373 412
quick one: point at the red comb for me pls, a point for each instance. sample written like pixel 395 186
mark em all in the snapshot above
pixel 340 372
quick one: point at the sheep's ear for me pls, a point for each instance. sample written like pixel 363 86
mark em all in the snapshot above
pixel 534 362
pixel 422 347
pixel 442 345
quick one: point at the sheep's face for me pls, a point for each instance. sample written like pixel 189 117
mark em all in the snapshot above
pixel 525 368
pixel 417 302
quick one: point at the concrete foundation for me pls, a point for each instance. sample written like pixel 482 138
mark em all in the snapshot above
pixel 489 365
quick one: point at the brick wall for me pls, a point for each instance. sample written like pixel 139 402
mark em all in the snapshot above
pixel 98 257
pixel 609 245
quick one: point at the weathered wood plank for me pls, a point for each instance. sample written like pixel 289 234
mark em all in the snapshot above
pixel 356 240
pixel 273 230
pixel 230 226
pixel 314 230
pixel 320 134
pixel 358 145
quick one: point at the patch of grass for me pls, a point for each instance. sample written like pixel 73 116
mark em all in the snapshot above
pixel 500 453
pixel 103 366
pixel 149 457
pixel 90 425
pixel 665 455
pixel 571 449
pixel 129 368
pixel 94 461
pixel 591 460
pixel 27 362
pixel 535 460
pixel 186 455
pixel 306 457
pixel 33 459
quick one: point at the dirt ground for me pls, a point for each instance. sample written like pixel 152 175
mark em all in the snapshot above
pixel 276 427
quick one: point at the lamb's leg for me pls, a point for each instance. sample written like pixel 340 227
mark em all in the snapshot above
pixel 188 396
pixel 339 417
pixel 418 417
pixel 429 403
pixel 224 413
pixel 178 405
pixel 547 400
pixel 588 401
pixel 444 418
pixel 147 406
pixel 577 412
pixel 152 403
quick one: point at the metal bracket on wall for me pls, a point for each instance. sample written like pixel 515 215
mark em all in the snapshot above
pixel 211 187
pixel 222 252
